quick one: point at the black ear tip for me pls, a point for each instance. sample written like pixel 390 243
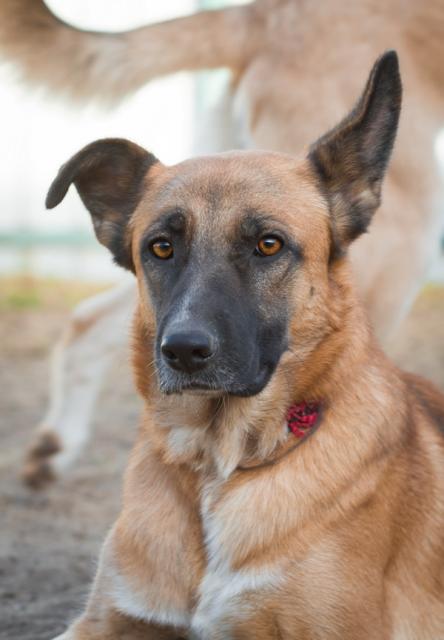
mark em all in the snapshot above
pixel 55 194
pixel 386 78
pixel 390 57
pixel 50 202
pixel 388 65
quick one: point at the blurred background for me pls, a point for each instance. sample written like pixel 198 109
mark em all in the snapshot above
pixel 39 133
pixel 48 262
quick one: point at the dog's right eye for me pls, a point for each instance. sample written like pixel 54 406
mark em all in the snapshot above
pixel 162 249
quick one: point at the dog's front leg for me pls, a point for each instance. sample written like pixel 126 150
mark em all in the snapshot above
pixel 103 621
pixel 118 610
pixel 112 625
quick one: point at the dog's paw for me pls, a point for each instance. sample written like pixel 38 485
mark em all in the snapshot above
pixel 38 470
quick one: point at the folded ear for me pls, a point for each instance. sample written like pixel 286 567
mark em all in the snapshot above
pixel 108 174
pixel 351 159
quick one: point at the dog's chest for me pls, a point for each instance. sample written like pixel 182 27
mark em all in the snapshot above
pixel 223 589
pixel 228 591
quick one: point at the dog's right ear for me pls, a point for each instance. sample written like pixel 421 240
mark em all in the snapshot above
pixel 108 174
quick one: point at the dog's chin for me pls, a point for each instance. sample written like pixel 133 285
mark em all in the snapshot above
pixel 199 391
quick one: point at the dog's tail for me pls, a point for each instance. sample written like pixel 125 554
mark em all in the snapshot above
pixel 107 67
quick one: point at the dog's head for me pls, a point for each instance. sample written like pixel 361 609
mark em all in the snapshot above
pixel 233 253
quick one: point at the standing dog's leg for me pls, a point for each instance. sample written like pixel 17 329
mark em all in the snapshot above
pixel 97 331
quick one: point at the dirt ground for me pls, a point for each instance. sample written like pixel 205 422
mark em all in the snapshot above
pixel 49 540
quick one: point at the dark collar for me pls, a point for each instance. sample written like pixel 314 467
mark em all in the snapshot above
pixel 302 421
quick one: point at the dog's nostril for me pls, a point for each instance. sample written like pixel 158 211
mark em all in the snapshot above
pixel 202 353
pixel 169 354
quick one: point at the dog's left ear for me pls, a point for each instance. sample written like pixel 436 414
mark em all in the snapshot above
pixel 109 176
pixel 351 159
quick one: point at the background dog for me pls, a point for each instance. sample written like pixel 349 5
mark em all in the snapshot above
pixel 281 53
pixel 230 530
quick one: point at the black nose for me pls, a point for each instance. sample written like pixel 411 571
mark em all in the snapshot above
pixel 188 351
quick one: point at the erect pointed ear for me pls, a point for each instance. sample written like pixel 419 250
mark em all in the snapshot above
pixel 108 174
pixel 351 159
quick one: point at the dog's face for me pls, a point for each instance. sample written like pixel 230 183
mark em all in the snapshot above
pixel 222 245
pixel 233 252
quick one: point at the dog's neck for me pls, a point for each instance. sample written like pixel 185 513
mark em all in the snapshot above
pixel 227 433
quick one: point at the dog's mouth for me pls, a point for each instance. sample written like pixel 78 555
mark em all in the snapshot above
pixel 171 383
pixel 190 387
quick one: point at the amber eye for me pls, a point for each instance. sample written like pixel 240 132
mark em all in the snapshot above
pixel 162 249
pixel 268 246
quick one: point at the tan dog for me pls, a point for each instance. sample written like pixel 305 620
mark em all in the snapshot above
pixel 296 69
pixel 248 513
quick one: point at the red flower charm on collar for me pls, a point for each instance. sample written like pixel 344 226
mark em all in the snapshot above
pixel 301 418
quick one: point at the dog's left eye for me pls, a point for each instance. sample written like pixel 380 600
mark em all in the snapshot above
pixel 162 249
pixel 268 246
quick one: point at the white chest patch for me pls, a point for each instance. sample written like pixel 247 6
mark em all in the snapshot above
pixel 220 600
pixel 221 590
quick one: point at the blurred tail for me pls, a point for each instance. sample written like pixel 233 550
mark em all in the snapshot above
pixel 107 67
